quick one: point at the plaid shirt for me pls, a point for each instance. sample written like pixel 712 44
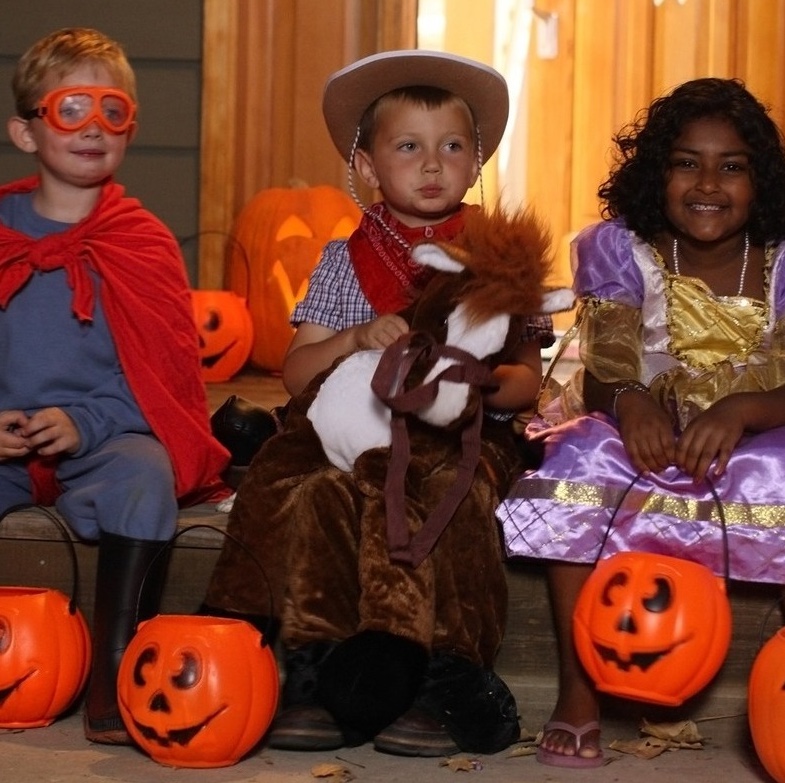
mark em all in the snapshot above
pixel 335 300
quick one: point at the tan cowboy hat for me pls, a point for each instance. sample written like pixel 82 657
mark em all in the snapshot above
pixel 350 91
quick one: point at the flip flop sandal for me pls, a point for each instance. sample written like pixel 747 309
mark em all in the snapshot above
pixel 555 759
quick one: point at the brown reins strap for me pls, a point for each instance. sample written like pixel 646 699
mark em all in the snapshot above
pixel 395 365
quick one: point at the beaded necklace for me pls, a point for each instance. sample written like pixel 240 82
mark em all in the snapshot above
pixel 743 266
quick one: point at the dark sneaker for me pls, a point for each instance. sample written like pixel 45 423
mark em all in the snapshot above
pixel 473 704
pixel 305 727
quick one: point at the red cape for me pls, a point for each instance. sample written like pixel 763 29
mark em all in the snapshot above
pixel 145 294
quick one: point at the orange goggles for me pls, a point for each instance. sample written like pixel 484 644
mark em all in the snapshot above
pixel 70 109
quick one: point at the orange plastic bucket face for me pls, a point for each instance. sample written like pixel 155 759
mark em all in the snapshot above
pixel 652 627
pixel 225 333
pixel 197 691
pixel 44 656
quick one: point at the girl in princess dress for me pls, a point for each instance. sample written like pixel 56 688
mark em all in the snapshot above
pixel 682 342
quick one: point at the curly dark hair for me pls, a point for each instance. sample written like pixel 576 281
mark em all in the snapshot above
pixel 635 188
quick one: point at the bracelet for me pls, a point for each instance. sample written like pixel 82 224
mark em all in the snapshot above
pixel 626 386
pixel 499 415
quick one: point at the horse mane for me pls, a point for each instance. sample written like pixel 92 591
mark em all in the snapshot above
pixel 508 255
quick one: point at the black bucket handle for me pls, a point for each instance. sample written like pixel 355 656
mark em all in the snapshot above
pixel 720 512
pixel 167 545
pixel 73 603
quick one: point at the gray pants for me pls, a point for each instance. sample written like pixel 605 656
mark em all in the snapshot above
pixel 125 487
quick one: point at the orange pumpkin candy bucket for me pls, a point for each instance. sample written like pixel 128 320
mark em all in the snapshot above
pixel 197 691
pixel 223 321
pixel 45 651
pixel 652 627
pixel 766 705
pixel 225 333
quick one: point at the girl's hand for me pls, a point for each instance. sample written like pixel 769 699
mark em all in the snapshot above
pixel 711 437
pixel 380 333
pixel 13 444
pixel 646 432
pixel 51 431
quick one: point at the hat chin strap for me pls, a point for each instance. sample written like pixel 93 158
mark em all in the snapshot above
pixel 357 200
pixel 480 164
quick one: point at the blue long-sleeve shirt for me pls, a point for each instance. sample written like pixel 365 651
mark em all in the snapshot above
pixel 49 359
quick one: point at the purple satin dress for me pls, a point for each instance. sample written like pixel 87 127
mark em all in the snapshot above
pixel 562 510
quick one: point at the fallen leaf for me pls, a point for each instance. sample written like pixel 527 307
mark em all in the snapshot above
pixel 461 764
pixel 661 737
pixel 645 748
pixel 522 750
pixel 679 732
pixel 336 772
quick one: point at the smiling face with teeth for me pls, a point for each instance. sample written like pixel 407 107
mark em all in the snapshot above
pixel 709 191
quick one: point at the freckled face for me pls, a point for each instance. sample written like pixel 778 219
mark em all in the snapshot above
pixel 710 190
pixel 423 160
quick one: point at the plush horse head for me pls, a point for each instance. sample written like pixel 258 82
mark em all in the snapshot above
pixel 492 277
pixel 465 323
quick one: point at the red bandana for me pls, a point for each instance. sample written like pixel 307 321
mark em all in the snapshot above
pixel 388 276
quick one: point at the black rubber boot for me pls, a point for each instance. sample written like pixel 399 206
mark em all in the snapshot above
pixel 123 565
pixel 303 723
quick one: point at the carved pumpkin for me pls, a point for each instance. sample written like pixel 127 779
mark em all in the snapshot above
pixel 652 627
pixel 44 655
pixel 225 333
pixel 283 232
pixel 197 691
pixel 766 702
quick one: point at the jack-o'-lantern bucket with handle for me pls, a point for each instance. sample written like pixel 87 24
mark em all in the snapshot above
pixel 45 650
pixel 766 701
pixel 652 627
pixel 225 333
pixel 223 320
pixel 197 691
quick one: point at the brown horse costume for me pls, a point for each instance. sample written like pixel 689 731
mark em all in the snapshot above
pixel 350 547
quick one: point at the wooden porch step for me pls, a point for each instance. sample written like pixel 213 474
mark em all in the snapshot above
pixel 32 552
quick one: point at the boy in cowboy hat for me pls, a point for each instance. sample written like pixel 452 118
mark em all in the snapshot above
pixel 376 650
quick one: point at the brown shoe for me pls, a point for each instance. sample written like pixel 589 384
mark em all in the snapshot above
pixel 415 734
pixel 305 727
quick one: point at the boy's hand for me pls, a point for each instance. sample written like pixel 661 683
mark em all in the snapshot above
pixel 51 431
pixel 380 333
pixel 13 444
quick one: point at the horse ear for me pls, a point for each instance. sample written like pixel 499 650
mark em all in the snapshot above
pixel 557 300
pixel 435 256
